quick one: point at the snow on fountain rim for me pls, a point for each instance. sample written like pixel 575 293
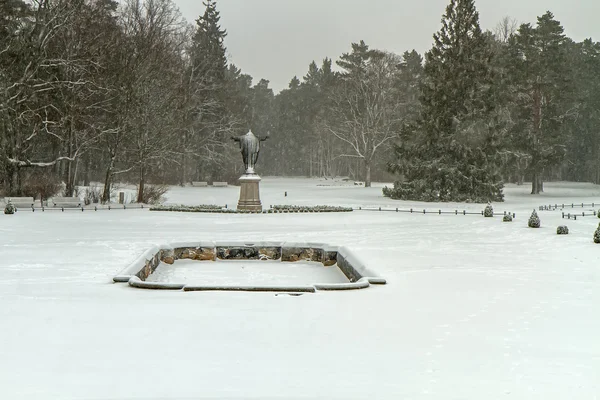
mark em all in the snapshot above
pixel 367 276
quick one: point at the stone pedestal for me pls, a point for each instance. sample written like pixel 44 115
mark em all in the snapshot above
pixel 249 193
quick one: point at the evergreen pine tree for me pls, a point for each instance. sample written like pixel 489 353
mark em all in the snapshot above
pixel 208 45
pixel 488 211
pixel 210 91
pixel 539 71
pixel 583 148
pixel 447 154
pixel 597 235
pixel 534 220
pixel 409 80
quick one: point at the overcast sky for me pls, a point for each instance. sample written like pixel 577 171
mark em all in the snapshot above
pixel 277 39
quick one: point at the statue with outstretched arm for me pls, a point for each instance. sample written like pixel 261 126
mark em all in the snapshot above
pixel 250 147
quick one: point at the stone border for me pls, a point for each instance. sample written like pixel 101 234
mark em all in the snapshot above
pixel 356 271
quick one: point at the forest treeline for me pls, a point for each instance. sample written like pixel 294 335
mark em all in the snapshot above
pixel 130 91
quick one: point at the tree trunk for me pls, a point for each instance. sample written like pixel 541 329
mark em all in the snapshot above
pixel 69 175
pixel 367 173
pixel 535 183
pixel 12 181
pixel 18 182
pixel 108 181
pixel 140 196
pixel 537 127
pixel 183 176
pixel 75 172
pixel 88 168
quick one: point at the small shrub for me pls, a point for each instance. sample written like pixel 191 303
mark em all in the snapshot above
pixel 292 208
pixel 597 235
pixel 153 194
pixel 534 220
pixel 489 211
pixel 76 192
pixel 92 195
pixel 507 217
pixel 562 230
pixel 44 185
pixel 210 208
pixel 9 209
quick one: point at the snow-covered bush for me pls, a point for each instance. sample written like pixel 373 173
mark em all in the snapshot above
pixel 446 186
pixel 534 220
pixel 92 195
pixel 153 194
pixel 76 192
pixel 507 217
pixel 291 208
pixel 489 211
pixel 597 235
pixel 41 184
pixel 562 230
pixel 210 208
pixel 9 209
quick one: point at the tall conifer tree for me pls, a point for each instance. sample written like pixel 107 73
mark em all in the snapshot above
pixel 446 154
pixel 540 75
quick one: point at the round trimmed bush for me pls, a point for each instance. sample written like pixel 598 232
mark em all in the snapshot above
pixel 489 211
pixel 534 220
pixel 562 230
pixel 10 209
pixel 597 235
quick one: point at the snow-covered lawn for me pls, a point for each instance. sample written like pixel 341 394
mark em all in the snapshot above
pixel 474 308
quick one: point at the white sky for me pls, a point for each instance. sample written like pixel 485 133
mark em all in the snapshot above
pixel 277 39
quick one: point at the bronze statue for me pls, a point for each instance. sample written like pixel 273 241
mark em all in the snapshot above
pixel 250 147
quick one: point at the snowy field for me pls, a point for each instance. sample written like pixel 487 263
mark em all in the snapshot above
pixel 474 308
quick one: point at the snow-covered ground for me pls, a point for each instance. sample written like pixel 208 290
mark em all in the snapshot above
pixel 244 272
pixel 474 308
